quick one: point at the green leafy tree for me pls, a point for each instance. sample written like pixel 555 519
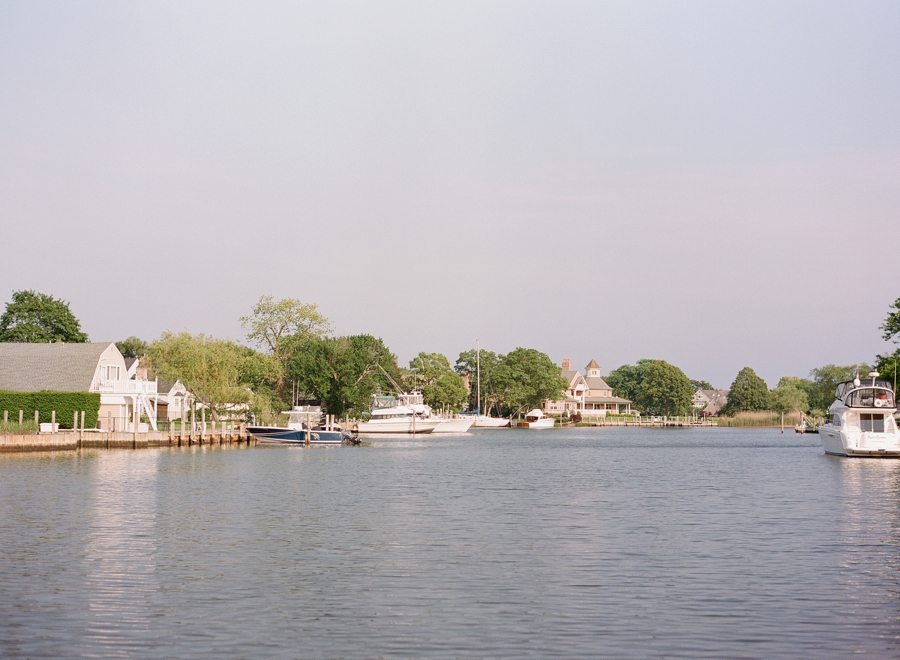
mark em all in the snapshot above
pixel 468 363
pixel 209 368
pixel 891 325
pixel 826 379
pixel 805 385
pixel 626 380
pixel 132 347
pixel 33 317
pixel 664 389
pixel 700 385
pixel 788 397
pixel 441 386
pixel 748 392
pixel 526 378
pixel 888 366
pixel 272 322
pixel 341 372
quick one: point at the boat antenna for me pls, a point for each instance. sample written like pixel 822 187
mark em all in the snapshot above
pixel 478 374
pixel 392 381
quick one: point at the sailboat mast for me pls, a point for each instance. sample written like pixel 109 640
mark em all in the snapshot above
pixel 478 371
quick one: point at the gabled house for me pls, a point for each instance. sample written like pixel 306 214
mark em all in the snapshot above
pixel 93 367
pixel 709 402
pixel 588 395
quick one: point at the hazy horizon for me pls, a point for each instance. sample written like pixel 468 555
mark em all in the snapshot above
pixel 705 183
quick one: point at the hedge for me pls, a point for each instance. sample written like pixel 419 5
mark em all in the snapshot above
pixel 64 403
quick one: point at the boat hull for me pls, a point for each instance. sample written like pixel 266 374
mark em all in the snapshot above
pixel 460 425
pixel 837 442
pixel 395 427
pixel 270 435
pixel 543 423
pixel 485 422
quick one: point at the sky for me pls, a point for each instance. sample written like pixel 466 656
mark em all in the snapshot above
pixel 716 184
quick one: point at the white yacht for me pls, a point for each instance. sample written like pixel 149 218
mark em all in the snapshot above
pixel 861 420
pixel 536 419
pixel 416 403
pixel 487 422
pixel 389 415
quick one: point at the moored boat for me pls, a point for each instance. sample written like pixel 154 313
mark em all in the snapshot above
pixel 536 419
pixel 298 431
pixel 388 416
pixel 861 420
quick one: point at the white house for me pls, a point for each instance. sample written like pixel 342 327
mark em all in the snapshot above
pixel 93 367
pixel 588 395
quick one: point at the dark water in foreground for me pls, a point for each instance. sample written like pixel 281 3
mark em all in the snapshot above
pixel 565 543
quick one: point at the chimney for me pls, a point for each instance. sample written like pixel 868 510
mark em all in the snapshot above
pixel 566 364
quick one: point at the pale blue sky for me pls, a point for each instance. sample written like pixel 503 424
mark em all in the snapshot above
pixel 716 184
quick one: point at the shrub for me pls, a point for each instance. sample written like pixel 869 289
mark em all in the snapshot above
pixel 64 403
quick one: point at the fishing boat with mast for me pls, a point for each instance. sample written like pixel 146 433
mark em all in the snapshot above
pixel 861 421
pixel 484 421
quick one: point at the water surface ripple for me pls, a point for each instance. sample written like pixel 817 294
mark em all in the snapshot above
pixel 716 543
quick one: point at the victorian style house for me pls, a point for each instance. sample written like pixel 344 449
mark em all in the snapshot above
pixel 588 395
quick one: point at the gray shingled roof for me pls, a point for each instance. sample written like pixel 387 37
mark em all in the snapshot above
pixel 596 383
pixel 60 367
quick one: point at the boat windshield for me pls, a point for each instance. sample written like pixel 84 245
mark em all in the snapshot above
pixel 384 402
pixel 843 389
pixel 870 397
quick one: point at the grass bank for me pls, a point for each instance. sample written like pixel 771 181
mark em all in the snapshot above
pixel 759 418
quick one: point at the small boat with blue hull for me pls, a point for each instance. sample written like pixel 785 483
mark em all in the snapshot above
pixel 297 432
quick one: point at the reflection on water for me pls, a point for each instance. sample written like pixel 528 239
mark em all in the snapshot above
pixel 563 543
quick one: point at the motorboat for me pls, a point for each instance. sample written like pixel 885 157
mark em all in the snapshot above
pixel 389 415
pixel 536 419
pixel 415 401
pixel 300 430
pixel 861 420
pixel 487 422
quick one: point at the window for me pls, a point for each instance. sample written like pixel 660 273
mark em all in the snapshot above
pixel 837 420
pixel 111 373
pixel 871 422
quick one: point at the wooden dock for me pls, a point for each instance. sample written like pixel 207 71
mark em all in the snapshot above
pixel 90 438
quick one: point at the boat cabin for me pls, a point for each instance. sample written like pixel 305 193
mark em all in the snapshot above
pixel 865 394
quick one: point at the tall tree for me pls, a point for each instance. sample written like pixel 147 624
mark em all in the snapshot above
pixel 209 368
pixel 468 363
pixel 748 392
pixel 700 385
pixel 888 365
pixel 788 397
pixel 526 378
pixel 272 322
pixel 132 347
pixel 891 325
pixel 826 379
pixel 664 389
pixel 341 372
pixel 33 317
pixel 626 380
pixel 441 386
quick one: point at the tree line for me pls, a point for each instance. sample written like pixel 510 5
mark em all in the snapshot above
pixel 294 354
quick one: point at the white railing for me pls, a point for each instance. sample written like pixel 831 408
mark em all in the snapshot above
pixel 126 387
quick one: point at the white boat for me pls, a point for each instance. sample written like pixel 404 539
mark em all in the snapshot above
pixel 414 401
pixel 536 419
pixel 861 420
pixel 486 422
pixel 388 415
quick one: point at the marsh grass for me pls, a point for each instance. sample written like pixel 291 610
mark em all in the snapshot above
pixel 15 428
pixel 759 418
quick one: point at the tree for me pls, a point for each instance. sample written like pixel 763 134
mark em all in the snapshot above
pixel 626 380
pixel 38 318
pixel 700 385
pixel 748 392
pixel 826 379
pixel 272 322
pixel 664 389
pixel 805 385
pixel 132 347
pixel 468 363
pixel 341 372
pixel 441 386
pixel 888 366
pixel 526 378
pixel 788 397
pixel 209 368
pixel 891 325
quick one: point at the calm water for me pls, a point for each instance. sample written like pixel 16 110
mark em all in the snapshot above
pixel 565 543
